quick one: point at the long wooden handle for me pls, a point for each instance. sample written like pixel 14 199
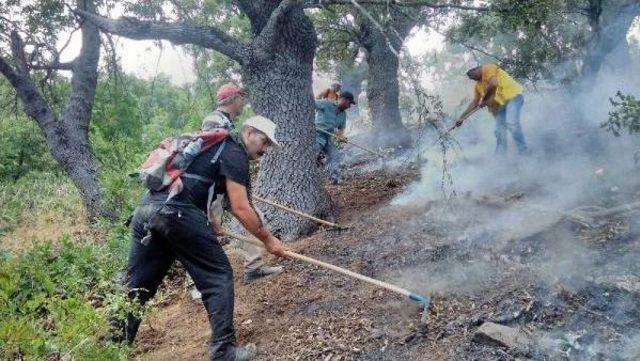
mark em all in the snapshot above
pixel 465 118
pixel 301 214
pixel 331 267
pixel 354 144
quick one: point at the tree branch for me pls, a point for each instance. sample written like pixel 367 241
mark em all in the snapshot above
pixel 207 37
pixel 33 103
pixel 265 42
pixel 85 73
pixel 53 66
pixel 406 3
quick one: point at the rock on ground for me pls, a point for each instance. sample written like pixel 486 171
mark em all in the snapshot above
pixel 493 334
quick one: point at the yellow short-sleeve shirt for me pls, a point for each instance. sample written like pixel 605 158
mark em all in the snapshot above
pixel 507 87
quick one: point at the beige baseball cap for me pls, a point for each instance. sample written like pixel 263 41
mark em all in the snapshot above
pixel 264 125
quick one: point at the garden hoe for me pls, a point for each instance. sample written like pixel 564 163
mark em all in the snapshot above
pixel 423 301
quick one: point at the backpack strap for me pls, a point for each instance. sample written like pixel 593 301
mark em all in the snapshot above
pixel 218 152
pixel 197 177
pixel 212 190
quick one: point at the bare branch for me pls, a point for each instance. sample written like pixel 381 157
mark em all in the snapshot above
pixel 406 3
pixel 85 72
pixel 207 37
pixel 53 66
pixel 17 50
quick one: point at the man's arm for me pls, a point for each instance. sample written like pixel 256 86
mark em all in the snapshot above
pixel 490 92
pixel 244 212
pixel 470 108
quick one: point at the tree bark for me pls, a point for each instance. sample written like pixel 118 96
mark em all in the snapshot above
pixel 280 88
pixel 68 135
pixel 610 24
pixel 383 89
pixel 351 75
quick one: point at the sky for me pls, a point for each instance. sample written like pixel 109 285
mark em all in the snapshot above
pixel 145 59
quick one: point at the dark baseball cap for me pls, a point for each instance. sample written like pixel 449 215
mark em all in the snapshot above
pixel 347 95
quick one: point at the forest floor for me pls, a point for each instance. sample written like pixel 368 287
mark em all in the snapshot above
pixel 569 299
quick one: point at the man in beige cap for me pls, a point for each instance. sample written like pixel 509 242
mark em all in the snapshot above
pixel 231 101
pixel 177 228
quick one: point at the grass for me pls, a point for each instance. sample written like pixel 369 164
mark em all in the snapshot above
pixel 60 278
pixel 35 194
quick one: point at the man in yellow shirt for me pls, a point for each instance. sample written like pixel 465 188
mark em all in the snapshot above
pixel 499 92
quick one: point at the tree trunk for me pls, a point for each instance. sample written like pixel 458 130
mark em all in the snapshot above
pixel 68 135
pixel 610 27
pixel 280 88
pixel 383 92
pixel 276 66
pixel 383 89
pixel 72 150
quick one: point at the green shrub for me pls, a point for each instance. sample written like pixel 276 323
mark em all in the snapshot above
pixel 57 301
pixel 624 116
pixel 22 148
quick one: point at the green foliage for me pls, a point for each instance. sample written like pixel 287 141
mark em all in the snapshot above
pixel 23 149
pixel 338 37
pixel 625 116
pixel 528 38
pixel 57 302
pixel 130 117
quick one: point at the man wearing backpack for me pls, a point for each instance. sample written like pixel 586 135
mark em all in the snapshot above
pixel 177 229
pixel 231 100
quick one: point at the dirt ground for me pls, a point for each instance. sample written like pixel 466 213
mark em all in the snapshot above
pixel 475 275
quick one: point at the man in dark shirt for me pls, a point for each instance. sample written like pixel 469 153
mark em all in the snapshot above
pixel 164 231
pixel 231 100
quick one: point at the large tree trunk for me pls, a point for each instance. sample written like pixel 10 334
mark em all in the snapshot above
pixel 351 75
pixel 383 92
pixel 383 89
pixel 610 25
pixel 74 152
pixel 70 147
pixel 280 88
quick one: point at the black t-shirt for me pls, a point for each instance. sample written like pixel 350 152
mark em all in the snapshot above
pixel 233 163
